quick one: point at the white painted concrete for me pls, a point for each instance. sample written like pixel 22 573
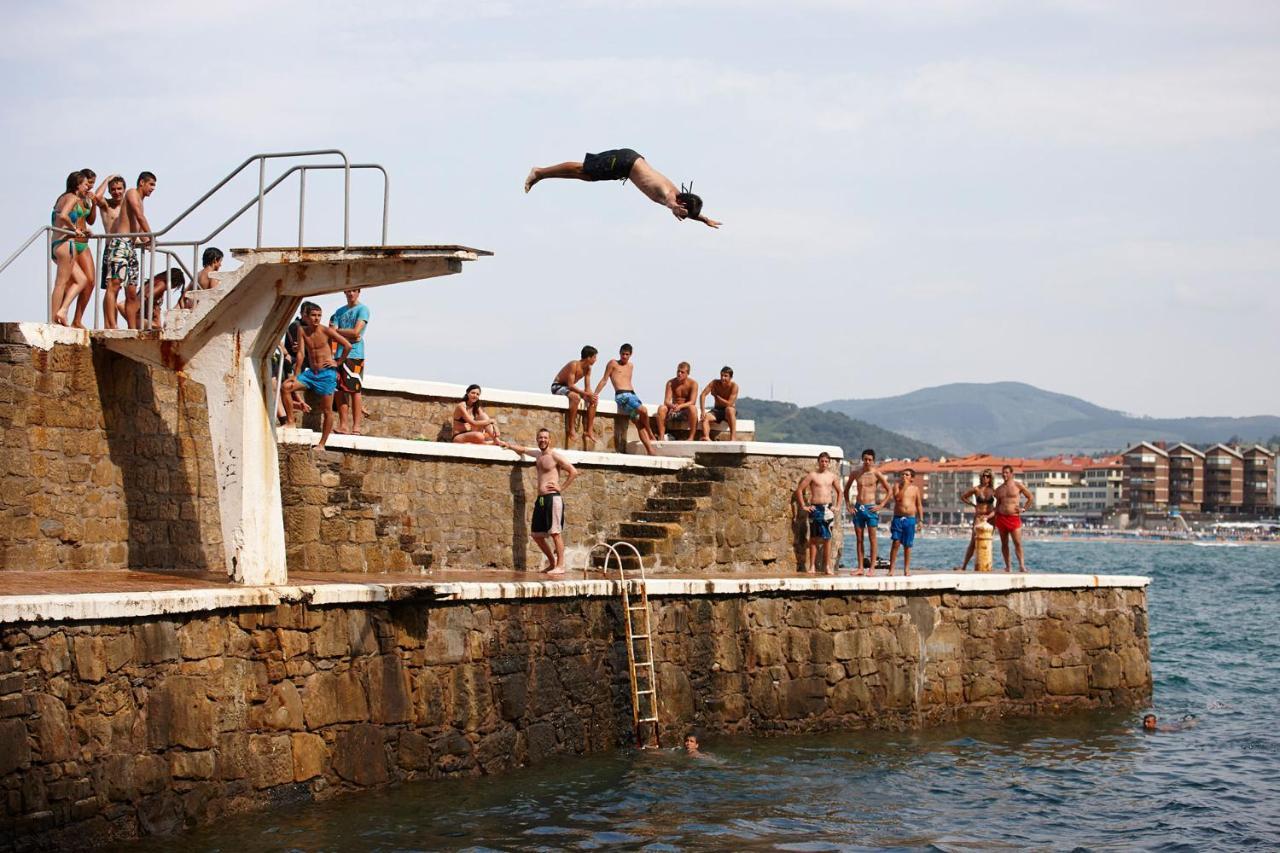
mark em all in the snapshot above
pixel 224 345
pixel 749 448
pixel 44 335
pixel 99 606
pixel 478 452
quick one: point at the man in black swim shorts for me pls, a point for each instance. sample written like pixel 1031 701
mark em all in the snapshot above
pixel 621 164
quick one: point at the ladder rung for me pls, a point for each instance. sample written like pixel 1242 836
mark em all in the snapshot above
pixel 641 692
pixel 641 607
pixel 647 720
pixel 639 636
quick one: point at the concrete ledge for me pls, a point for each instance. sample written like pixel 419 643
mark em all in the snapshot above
pixel 740 448
pixel 126 605
pixel 477 452
pixel 451 391
pixel 42 335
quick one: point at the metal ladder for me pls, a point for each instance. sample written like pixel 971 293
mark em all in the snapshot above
pixel 644 680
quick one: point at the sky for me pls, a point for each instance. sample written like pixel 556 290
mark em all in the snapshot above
pixel 1078 194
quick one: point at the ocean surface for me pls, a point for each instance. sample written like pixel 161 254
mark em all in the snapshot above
pixel 1092 781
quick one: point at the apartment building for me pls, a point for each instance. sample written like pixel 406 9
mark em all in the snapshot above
pixel 1259 480
pixel 1102 489
pixel 1186 478
pixel 1223 479
pixel 1146 476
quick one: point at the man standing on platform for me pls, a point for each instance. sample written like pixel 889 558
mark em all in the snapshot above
pixel 822 506
pixel 350 321
pixel 548 508
pixel 1008 517
pixel 908 511
pixel 865 506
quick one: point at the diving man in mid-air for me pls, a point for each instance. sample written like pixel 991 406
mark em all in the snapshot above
pixel 622 164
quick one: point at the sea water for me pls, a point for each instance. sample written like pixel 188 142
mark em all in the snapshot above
pixel 1092 780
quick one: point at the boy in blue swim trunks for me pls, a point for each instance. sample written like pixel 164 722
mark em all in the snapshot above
pixel 908 511
pixel 864 506
pixel 619 371
pixel 819 497
pixel 321 372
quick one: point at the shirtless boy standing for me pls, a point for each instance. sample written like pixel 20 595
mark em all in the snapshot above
pixel 619 371
pixel 724 404
pixel 321 372
pixel 822 506
pixel 566 385
pixel 865 506
pixel 679 402
pixel 548 509
pixel 908 510
pixel 1008 516
pixel 619 165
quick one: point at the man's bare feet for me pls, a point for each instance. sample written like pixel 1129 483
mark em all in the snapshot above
pixel 1022 568
pixel 554 570
pixel 60 318
pixel 588 439
pixel 532 178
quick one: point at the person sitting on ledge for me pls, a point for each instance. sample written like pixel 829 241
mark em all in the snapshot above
pixel 470 424
pixel 548 508
pixel 320 375
pixel 679 403
pixel 724 404
pixel 565 385
pixel 619 165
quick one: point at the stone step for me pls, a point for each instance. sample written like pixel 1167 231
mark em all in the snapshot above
pixel 671 504
pixel 630 562
pixel 659 516
pixel 684 490
pixel 700 475
pixel 648 530
pixel 646 547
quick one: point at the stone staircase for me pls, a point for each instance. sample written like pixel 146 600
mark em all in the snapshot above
pixel 656 529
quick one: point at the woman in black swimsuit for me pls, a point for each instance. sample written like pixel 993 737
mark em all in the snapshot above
pixel 982 498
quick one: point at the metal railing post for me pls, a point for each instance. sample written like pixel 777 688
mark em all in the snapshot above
pixel 93 282
pixel 346 203
pixel 302 202
pixel 262 182
pixel 48 276
pixel 386 197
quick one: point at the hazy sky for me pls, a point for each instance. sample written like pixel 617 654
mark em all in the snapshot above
pixel 1079 194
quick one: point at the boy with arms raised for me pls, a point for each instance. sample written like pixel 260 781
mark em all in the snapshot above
pixel 566 385
pixel 724 400
pixel 321 372
pixel 819 497
pixel 548 508
pixel 619 371
pixel 865 506
pixel 908 510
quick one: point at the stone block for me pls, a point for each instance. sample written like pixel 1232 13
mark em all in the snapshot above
pixel 310 756
pixel 414 751
pixel 202 638
pixel 283 709
pixel 851 696
pixel 1107 671
pixel 764 650
pixel 270 760
pixel 90 658
pixel 331 639
pixel 293 643
pixel 15 751
pixel 802 697
pixel 359 755
pixel 329 698
pixel 191 765
pixel 1067 681
pixel 52 729
pixel 157 641
pixel 118 650
pixel 388 688
pixel 180 713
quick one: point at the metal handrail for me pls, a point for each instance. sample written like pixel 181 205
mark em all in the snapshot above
pixel 163 246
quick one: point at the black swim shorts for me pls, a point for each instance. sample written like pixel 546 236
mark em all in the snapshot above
pixel 612 165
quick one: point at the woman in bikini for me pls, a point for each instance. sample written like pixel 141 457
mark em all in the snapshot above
pixel 470 424
pixel 69 211
pixel 982 498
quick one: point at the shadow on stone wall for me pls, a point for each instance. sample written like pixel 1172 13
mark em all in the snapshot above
pixel 156 428
pixel 519 530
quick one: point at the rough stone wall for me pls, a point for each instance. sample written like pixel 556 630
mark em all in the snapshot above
pixel 146 726
pixel 752 522
pixel 373 512
pixel 104 463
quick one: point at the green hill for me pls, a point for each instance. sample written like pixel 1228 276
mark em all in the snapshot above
pixel 1016 419
pixel 789 422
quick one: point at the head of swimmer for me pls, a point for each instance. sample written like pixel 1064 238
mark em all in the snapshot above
pixel 691 742
pixel 1149 723
pixel 691 203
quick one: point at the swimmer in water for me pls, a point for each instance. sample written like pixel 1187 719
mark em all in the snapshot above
pixel 1151 724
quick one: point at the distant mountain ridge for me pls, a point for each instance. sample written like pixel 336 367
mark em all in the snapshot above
pixel 806 425
pixel 1017 419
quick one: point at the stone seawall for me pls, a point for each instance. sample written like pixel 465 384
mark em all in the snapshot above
pixel 104 463
pixel 147 725
pixel 374 510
